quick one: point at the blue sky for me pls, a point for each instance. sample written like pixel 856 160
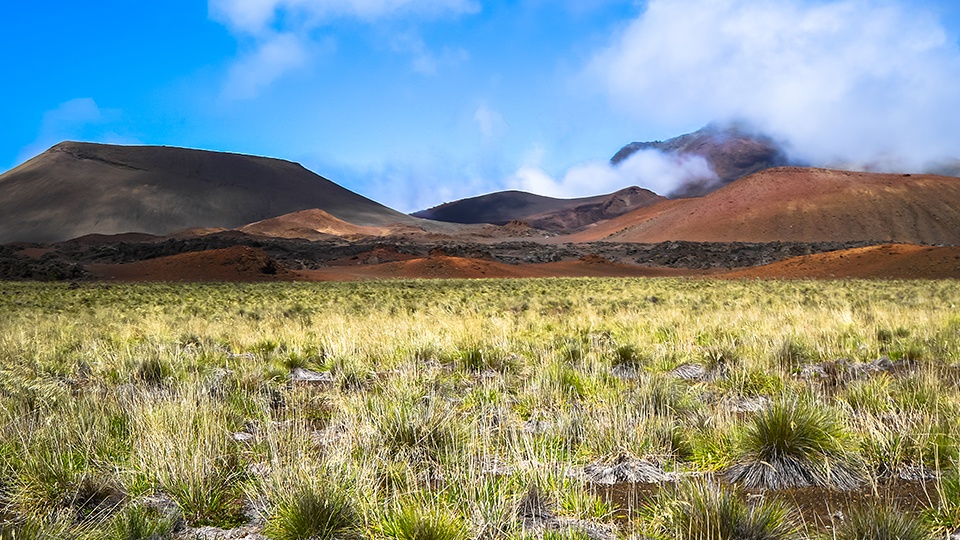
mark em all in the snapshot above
pixel 415 102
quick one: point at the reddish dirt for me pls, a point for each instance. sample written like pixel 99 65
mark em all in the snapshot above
pixel 793 204
pixel 34 252
pixel 313 224
pixel 241 263
pixel 238 263
pixel 380 255
pixel 443 266
pixel 887 261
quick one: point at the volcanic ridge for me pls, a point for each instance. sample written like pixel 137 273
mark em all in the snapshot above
pixel 141 213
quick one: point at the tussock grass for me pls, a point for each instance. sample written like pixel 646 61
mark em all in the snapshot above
pixel 422 522
pixel 454 397
pixel 313 511
pixel 700 510
pixel 883 521
pixel 795 443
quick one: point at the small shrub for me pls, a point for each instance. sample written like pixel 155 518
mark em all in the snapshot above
pixel 310 512
pixel 881 522
pixel 791 444
pixel 704 511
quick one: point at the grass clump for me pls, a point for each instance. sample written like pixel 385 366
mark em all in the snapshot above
pixel 704 511
pixel 416 522
pixel 794 443
pixel 141 523
pixel 413 428
pixel 881 522
pixel 313 512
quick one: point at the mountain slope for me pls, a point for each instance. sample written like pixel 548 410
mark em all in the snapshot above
pixel 541 212
pixel 793 204
pixel 74 189
pixel 731 151
pixel 888 261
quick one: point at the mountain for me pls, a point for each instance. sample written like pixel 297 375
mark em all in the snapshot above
pixel 732 152
pixel 75 189
pixel 794 204
pixel 541 212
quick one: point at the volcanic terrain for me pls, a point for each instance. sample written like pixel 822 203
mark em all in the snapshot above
pixel 546 213
pixel 86 211
pixel 75 189
pixel 731 151
pixel 793 204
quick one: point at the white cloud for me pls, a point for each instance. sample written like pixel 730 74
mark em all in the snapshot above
pixel 256 16
pixel 415 183
pixel 425 61
pixel 77 119
pixel 283 30
pixel 489 121
pixel 856 81
pixel 649 169
pixel 271 60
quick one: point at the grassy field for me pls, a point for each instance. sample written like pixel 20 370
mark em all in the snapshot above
pixel 480 409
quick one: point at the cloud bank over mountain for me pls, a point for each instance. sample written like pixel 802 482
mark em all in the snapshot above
pixel 862 83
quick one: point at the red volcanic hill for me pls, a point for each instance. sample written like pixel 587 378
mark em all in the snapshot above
pixel 75 189
pixel 546 213
pixel 313 224
pixel 889 261
pixel 793 204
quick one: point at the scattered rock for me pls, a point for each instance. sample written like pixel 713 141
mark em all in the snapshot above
pixel 626 469
pixel 842 371
pixel 247 532
pixel 747 404
pixel 690 372
pixel 537 517
pixel 243 437
pixel 625 372
pixel 306 376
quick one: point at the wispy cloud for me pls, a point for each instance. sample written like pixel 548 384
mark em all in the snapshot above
pixel 424 60
pixel 272 58
pixel 490 122
pixel 870 83
pixel 76 119
pixel 283 31
pixel 650 169
pixel 258 16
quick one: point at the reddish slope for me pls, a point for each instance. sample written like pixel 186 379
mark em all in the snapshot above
pixel 794 204
pixel 446 267
pixel 888 261
pixel 238 263
pixel 314 224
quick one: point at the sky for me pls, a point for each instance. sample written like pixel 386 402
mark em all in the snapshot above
pixel 417 102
